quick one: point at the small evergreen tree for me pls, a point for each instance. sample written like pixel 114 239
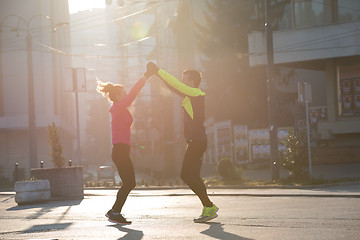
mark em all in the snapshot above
pixel 295 157
pixel 57 156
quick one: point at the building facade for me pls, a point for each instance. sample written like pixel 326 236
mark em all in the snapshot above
pixel 33 34
pixel 323 36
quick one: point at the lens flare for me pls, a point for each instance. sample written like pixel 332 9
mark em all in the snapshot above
pixel 139 30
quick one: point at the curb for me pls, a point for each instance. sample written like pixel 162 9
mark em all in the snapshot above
pixel 235 187
pixel 253 195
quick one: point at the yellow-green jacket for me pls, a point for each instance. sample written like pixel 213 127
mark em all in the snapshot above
pixel 193 104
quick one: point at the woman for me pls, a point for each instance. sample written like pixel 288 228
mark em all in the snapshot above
pixel 121 121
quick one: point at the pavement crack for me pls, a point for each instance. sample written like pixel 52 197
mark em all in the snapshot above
pixel 255 225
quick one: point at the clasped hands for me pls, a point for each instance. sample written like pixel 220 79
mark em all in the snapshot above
pixel 151 69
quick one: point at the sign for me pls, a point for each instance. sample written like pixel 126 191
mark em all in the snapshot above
pixel 304 92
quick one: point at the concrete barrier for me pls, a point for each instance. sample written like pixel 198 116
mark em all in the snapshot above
pixel 32 191
pixel 65 183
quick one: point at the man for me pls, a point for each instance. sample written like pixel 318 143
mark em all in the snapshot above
pixel 194 132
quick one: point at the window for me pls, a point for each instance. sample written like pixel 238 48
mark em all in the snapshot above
pixel 312 13
pixel 286 20
pixel 348 10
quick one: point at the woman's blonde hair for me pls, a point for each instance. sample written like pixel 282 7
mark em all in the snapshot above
pixel 110 90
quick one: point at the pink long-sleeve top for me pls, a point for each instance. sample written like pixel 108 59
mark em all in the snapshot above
pixel 121 119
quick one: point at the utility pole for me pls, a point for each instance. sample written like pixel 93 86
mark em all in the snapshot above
pixel 77 74
pixel 304 96
pixel 31 105
pixel 1 79
pixel 274 152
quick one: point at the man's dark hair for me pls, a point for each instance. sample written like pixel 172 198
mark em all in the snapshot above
pixel 194 75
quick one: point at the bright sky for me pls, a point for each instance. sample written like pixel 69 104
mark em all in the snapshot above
pixel 81 5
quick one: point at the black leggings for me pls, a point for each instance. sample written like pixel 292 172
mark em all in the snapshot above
pixel 121 157
pixel 190 172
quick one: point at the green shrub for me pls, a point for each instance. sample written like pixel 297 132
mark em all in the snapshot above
pixel 57 156
pixel 226 169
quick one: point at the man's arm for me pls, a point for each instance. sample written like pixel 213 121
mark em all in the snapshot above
pixel 172 82
pixel 179 86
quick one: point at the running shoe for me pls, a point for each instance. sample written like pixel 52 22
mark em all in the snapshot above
pixel 108 213
pixel 116 218
pixel 208 213
pixel 119 219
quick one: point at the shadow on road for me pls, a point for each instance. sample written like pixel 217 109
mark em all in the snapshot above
pixel 216 230
pixel 46 208
pixel 131 234
pixel 49 204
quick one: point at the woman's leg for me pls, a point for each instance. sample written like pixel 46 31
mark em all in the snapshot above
pixel 190 172
pixel 121 157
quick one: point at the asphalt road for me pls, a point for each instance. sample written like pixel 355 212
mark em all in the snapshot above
pixel 321 213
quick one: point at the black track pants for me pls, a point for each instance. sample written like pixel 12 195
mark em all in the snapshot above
pixel 190 172
pixel 121 157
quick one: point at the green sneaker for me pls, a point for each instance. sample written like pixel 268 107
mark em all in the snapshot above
pixel 208 213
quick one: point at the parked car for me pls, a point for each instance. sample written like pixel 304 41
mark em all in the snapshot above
pixel 106 173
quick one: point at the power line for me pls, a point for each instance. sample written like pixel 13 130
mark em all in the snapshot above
pixel 281 49
pixel 101 15
pixel 112 21
pixel 286 48
pixel 302 50
pixel 313 41
pixel 85 55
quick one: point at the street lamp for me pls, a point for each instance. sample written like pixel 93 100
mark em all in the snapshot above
pixel 78 74
pixel 31 97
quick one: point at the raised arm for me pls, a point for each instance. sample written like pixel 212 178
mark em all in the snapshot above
pixel 179 86
pixel 174 84
pixel 128 99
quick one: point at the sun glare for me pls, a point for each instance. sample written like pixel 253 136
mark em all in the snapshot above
pixel 82 5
